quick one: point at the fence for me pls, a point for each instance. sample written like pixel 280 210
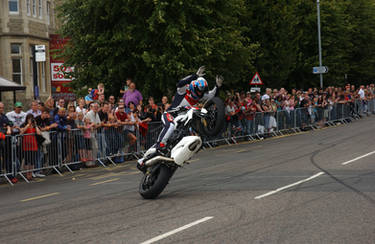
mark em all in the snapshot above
pixel 75 148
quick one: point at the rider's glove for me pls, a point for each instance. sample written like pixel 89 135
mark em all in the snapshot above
pixel 200 71
pixel 219 80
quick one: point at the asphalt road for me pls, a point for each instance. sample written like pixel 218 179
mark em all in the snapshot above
pixel 314 187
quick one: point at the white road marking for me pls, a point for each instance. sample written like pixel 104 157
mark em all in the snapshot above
pixel 288 186
pixel 158 238
pixel 357 158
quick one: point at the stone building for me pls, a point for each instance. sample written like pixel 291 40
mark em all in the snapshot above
pixel 24 24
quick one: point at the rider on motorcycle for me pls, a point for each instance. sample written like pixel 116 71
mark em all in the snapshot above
pixel 190 90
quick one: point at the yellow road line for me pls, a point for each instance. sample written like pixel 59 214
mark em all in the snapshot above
pixel 116 167
pixel 41 196
pixel 80 175
pixel 103 182
pixel 106 176
pixel 133 173
pixel 39 180
pixel 194 160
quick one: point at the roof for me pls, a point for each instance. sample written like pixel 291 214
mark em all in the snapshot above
pixel 7 85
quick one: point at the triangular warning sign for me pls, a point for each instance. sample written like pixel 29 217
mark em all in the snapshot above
pixel 256 80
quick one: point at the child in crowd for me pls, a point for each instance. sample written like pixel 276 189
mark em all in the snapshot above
pixel 88 98
pixel 80 141
pixel 131 126
pixel 126 87
pixel 94 93
pixel 81 106
pixel 87 130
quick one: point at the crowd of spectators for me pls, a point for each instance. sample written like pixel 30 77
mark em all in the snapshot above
pixel 95 127
pixel 86 129
pixel 284 109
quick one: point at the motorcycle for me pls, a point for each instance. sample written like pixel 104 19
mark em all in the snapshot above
pixel 182 145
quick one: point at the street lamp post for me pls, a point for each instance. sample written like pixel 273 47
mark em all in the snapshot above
pixel 320 44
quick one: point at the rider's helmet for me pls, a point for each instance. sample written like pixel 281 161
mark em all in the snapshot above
pixel 198 87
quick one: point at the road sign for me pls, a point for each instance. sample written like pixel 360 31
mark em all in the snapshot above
pixel 320 70
pixel 40 47
pixel 256 80
pixel 255 89
pixel 40 53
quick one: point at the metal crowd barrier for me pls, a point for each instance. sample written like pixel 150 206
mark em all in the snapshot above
pixel 6 155
pixel 291 121
pixel 76 148
pixel 69 149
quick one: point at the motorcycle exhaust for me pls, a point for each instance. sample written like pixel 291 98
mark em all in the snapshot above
pixel 156 159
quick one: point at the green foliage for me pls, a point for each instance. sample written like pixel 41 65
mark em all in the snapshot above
pixel 287 33
pixel 157 42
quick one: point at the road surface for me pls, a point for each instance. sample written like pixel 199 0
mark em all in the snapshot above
pixel 313 187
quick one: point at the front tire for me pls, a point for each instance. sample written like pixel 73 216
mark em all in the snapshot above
pixel 152 184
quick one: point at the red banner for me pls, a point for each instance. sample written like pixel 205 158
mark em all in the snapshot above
pixel 59 79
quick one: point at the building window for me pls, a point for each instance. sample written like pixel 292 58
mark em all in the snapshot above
pixel 15 48
pixel 48 11
pixel 28 7
pixel 13 6
pixel 34 8
pixel 40 9
pixel 17 70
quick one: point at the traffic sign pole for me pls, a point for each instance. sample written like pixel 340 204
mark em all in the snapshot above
pixel 35 72
pixel 320 44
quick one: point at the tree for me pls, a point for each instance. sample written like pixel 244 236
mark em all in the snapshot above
pixel 359 20
pixel 155 42
pixel 287 34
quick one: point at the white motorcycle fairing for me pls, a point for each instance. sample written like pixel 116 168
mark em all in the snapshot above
pixel 185 149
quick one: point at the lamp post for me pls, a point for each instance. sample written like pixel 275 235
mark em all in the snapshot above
pixel 320 44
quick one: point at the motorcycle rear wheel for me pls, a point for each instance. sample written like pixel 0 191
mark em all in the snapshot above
pixel 152 184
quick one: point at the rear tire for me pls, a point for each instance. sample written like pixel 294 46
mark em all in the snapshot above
pixel 215 124
pixel 153 184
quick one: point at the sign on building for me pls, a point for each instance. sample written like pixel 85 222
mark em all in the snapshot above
pixel 60 77
pixel 40 53
pixel 60 72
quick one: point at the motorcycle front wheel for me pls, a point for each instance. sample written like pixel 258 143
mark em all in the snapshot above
pixel 214 123
pixel 154 182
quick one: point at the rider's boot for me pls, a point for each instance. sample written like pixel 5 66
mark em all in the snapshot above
pixel 161 149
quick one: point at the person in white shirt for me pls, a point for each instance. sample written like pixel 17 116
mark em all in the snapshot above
pixel 34 109
pixel 93 115
pixel 363 105
pixel 267 95
pixel 361 92
pixel 81 107
pixel 17 117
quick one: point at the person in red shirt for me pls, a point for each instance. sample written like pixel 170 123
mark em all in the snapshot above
pixel 29 144
pixel 249 116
